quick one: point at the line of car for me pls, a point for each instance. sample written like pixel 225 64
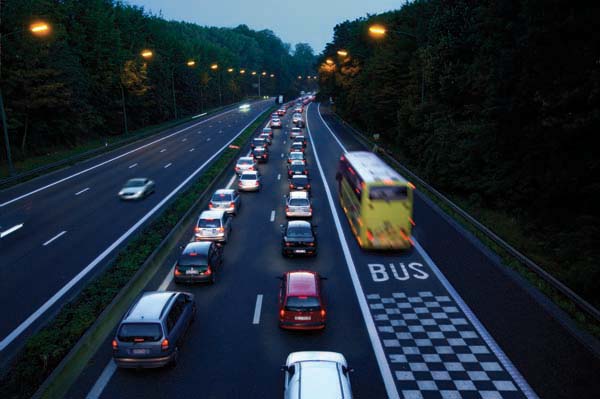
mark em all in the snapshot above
pixel 151 332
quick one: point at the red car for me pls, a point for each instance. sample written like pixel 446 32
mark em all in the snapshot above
pixel 301 304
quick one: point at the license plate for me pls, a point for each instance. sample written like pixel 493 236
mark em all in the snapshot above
pixel 300 188
pixel 300 251
pixel 192 271
pixel 302 318
pixel 140 351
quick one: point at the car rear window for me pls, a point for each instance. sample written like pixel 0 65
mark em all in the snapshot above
pixel 135 183
pixel 146 331
pixel 295 155
pixel 248 176
pixel 300 179
pixel 209 223
pixel 245 162
pixel 388 193
pixel 299 202
pixel 296 168
pixel 299 232
pixel 188 260
pixel 221 197
pixel 302 303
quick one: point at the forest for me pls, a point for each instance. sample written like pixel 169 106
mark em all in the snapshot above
pixel 494 102
pixel 87 77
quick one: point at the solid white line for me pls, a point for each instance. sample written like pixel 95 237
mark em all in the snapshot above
pixel 230 183
pixel 208 139
pixel 272 216
pixel 191 150
pixel 60 293
pixel 199 115
pixel 11 230
pixel 485 335
pixel 132 166
pixel 82 191
pixel 279 176
pixel 111 160
pixel 167 165
pixel 256 318
pixel 282 155
pixel 168 278
pixel 184 140
pixel 283 141
pixel 384 367
pixel 102 381
pixel 163 150
pixel 54 238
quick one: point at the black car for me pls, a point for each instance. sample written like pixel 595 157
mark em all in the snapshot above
pixel 297 146
pixel 198 262
pixel 299 183
pixel 258 142
pixel 260 154
pixel 298 238
pixel 297 168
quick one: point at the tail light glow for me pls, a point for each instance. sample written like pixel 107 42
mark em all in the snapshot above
pixel 221 229
pixel 197 229
pixel 370 235
pixel 208 271
pixel 177 272
pixel 323 313
pixel 115 344
pixel 282 313
pixel 232 204
pixel 164 345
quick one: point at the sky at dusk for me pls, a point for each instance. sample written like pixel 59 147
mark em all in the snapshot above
pixel 308 21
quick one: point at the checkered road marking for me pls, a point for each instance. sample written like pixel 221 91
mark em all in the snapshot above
pixel 435 352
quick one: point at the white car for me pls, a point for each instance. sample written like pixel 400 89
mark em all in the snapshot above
pixel 323 375
pixel 298 205
pixel 275 123
pixel 249 181
pixel 245 163
pixel 136 189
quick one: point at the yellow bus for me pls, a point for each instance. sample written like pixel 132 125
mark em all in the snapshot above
pixel 377 201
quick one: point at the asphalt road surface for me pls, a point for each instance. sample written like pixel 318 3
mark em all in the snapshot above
pixel 443 320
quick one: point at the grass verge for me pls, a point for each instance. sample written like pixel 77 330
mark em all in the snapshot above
pixel 43 351
pixel 510 231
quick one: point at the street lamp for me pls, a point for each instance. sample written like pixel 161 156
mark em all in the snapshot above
pixel 242 71
pixel 147 54
pixel 329 61
pixel 215 67
pixel 191 63
pixel 37 29
pixel 229 70
pixel 342 53
pixel 379 31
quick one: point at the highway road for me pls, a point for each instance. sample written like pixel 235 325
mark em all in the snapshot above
pixel 443 320
pixel 72 220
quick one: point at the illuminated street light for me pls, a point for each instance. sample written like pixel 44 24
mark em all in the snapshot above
pixel 299 77
pixel 229 70
pixel 242 71
pixel 253 73
pixel 272 75
pixel 264 74
pixel 308 77
pixel 191 63
pixel 39 28
pixel 147 54
pixel 342 53
pixel 214 67
pixel 329 61
pixel 377 30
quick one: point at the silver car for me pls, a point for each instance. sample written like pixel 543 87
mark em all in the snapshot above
pixel 245 163
pixel 226 199
pixel 250 181
pixel 298 205
pixel 136 189
pixel 213 226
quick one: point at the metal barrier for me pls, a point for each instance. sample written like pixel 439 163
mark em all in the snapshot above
pixel 578 301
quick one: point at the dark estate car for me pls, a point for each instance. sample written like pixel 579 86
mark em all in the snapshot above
pixel 296 156
pixel 297 168
pixel 198 263
pixel 299 183
pixel 260 154
pixel 297 146
pixel 258 142
pixel 298 238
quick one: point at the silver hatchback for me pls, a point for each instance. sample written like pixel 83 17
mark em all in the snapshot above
pixel 298 205
pixel 250 181
pixel 213 226
pixel 226 199
pixel 245 163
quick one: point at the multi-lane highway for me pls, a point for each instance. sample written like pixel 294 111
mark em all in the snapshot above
pixel 443 320
pixel 70 222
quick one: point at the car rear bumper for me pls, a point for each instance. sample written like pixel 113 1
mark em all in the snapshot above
pixel 308 251
pixel 146 363
pixel 298 214
pixel 198 237
pixel 191 279
pixel 294 325
pixel 248 188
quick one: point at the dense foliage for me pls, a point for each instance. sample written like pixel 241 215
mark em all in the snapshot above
pixel 493 101
pixel 69 86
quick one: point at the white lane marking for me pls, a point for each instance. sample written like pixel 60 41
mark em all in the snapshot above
pixel 208 139
pixel 498 352
pixel 272 216
pixel 283 141
pixel 257 307
pixel 167 165
pixel 168 278
pixel 278 176
pixel 230 183
pixel 132 166
pixel 508 365
pixel 11 230
pixel 102 381
pixel 82 191
pixel 184 140
pixel 282 155
pixel 60 293
pixel 384 368
pixel 110 160
pixel 220 131
pixel 163 150
pixel 191 150
pixel 54 238
pixel 199 115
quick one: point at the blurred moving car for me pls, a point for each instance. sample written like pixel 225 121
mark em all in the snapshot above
pixel 250 181
pixel 152 330
pixel 275 123
pixel 260 154
pixel 226 199
pixel 299 183
pixel 301 302
pixel 258 142
pixel 298 238
pixel 213 226
pixel 267 138
pixel 268 130
pixel 136 189
pixel 245 163
pixel 323 375
pixel 198 263
pixel 298 205
pixel 297 146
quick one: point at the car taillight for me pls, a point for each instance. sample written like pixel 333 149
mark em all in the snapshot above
pixel 208 271
pixel 256 183
pixel 308 186
pixel 291 186
pixel 287 208
pixel 197 229
pixel 221 229
pixel 288 244
pixel 323 313
pixel 251 168
pixel 282 313
pixel 311 244
pixel 164 345
pixel 232 204
pixel 369 235
pixel 237 168
pixel 177 272
pixel 115 344
pixel 210 205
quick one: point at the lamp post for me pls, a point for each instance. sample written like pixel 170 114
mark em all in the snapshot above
pixel 37 29
pixel 215 67
pixel 379 31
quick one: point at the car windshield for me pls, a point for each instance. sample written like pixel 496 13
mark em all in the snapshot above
pixel 299 232
pixel 135 183
pixel 145 331
pixel 388 193
pixel 302 303
pixel 299 202
pixel 248 176
pixel 209 223
pixel 221 197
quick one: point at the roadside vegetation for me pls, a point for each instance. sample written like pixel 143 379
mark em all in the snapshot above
pixel 496 105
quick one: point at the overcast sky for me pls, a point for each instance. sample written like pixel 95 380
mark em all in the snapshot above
pixel 309 21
